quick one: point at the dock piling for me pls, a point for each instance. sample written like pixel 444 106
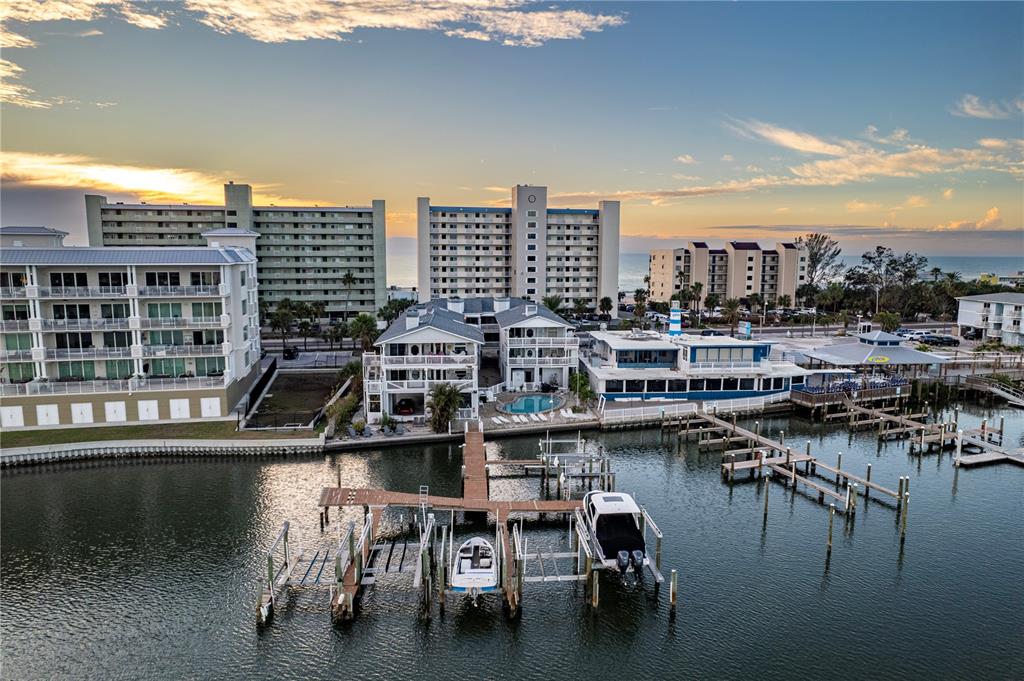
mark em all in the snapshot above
pixel 672 589
pixel 765 517
pixel 831 517
pixel 903 519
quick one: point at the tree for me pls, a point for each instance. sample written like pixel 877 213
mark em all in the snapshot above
pixel 696 291
pixel 393 309
pixel 364 329
pixel 579 384
pixel 823 253
pixel 807 293
pixel 281 321
pixel 305 329
pixel 756 302
pixel 605 306
pixel 711 301
pixel 348 281
pixel 640 305
pixel 936 272
pixel 552 302
pixel 579 307
pixel 680 285
pixel 889 321
pixel 832 295
pixel 784 301
pixel 444 402
pixel 731 312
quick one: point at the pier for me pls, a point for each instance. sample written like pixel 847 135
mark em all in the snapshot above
pixel 987 445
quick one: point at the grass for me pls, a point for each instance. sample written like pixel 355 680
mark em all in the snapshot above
pixel 210 430
pixel 298 393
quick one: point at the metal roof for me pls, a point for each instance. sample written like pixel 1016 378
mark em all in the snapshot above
pixel 745 245
pixel 521 313
pixel 879 337
pixel 431 317
pixel 156 255
pixel 862 354
pixel 230 231
pixel 1011 298
pixel 31 230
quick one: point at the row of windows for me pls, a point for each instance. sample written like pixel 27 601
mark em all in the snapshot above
pixel 694 385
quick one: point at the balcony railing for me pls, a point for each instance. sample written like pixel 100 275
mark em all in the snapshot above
pixel 428 360
pixel 12 292
pixel 88 353
pixel 181 323
pixel 700 367
pixel 83 292
pixel 541 361
pixel 182 291
pixel 421 385
pixel 182 350
pixel 562 341
pixel 14 325
pixel 84 324
pixel 15 355
pixel 111 386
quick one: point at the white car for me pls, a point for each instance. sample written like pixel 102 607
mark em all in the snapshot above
pixel 914 333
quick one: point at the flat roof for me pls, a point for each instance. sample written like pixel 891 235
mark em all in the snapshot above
pixel 31 230
pixel 629 341
pixel 1004 297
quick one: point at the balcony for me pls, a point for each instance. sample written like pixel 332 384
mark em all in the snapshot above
pixel 542 361
pixel 15 355
pixel 423 386
pixel 84 324
pixel 215 291
pixel 38 387
pixel 14 325
pixel 83 292
pixel 184 322
pixel 182 350
pixel 12 292
pixel 544 341
pixel 427 360
pixel 87 353
pixel 713 367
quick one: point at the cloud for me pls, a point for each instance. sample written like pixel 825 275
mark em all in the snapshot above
pixel 686 159
pixel 972 106
pixel 992 221
pixel 898 137
pixel 790 139
pixel 915 202
pixel 16 93
pixel 508 22
pixel 685 178
pixel 754 169
pixel 993 143
pixel 947 193
pixel 781 209
pixel 133 16
pixel 148 183
pixel 857 206
pixel 727 158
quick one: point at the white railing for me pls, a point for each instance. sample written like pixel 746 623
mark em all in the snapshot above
pixel 745 402
pixel 727 366
pixel 180 322
pixel 639 414
pixel 12 292
pixel 422 385
pixel 563 341
pixel 180 291
pixel 109 386
pixel 83 324
pixel 12 355
pixel 83 292
pixel 541 361
pixel 87 353
pixel 373 387
pixel 427 360
pixel 182 350
pixel 14 325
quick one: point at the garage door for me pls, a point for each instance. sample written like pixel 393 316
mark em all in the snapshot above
pixel 81 412
pixel 210 407
pixel 179 409
pixel 115 412
pixel 47 415
pixel 148 410
pixel 11 417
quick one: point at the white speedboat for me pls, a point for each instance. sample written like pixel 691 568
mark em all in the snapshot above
pixel 616 523
pixel 475 568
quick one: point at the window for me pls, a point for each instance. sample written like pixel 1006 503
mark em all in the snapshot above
pixel 242 277
pixel 613 386
pixel 73 341
pixel 76 371
pixel 116 339
pixel 163 279
pixel 119 368
pixel 531 280
pixel 164 310
pixel 531 235
pixel 113 279
pixel 696 384
pixel 68 279
pixel 70 311
pixel 13 313
pixel 12 279
pixel 677 386
pixel 167 368
pixel 531 225
pixel 531 247
pixel 166 338
pixel 209 337
pixel 205 278
pixel 115 311
pixel 209 365
pixel 21 372
pixel 713 384
pixel 207 309
pixel 531 268
pixel 18 341
pixel 531 258
pixel 531 291
pixel 634 386
pixel 730 383
pixel 746 384
pixel 531 213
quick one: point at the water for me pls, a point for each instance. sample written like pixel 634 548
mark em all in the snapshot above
pixel 149 570
pixel 531 404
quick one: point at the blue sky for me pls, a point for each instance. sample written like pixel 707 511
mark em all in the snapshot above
pixel 900 123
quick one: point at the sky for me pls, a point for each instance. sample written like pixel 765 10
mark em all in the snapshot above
pixel 899 124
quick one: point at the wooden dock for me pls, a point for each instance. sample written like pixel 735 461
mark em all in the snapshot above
pixel 989 446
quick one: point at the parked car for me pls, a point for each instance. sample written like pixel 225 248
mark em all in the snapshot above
pixel 290 353
pixel 972 334
pixel 915 334
pixel 939 341
pixel 405 407
pixel 711 332
pixel 902 331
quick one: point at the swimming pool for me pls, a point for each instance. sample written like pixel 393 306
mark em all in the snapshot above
pixel 532 404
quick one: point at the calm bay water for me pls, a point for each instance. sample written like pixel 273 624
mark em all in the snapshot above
pixel 149 570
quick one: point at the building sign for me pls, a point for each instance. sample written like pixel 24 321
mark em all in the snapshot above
pixel 745 329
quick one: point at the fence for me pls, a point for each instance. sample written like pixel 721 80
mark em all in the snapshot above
pixel 261 385
pixel 642 414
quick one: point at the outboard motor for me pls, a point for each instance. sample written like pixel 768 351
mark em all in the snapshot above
pixel 623 562
pixel 638 563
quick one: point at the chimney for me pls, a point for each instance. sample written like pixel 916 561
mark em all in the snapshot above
pixel 501 304
pixel 457 305
pixel 412 319
pixel 530 309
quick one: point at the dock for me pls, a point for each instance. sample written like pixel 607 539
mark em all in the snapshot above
pixel 987 445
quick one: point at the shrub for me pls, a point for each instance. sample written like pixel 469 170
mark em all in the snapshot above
pixel 359 426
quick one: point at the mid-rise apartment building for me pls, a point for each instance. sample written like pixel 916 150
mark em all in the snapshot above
pixel 993 315
pixel 329 254
pixel 127 335
pixel 736 271
pixel 526 251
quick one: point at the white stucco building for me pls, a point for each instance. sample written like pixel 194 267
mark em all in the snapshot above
pixel 995 315
pixel 537 348
pixel 526 251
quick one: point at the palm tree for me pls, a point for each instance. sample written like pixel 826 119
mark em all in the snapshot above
pixel 553 303
pixel 579 307
pixel 680 276
pixel 364 329
pixel 936 272
pixel 696 291
pixel 785 301
pixel 605 306
pixel 640 305
pixel 756 301
pixel 732 314
pixel 305 329
pixel 444 402
pixel 711 302
pixel 348 281
pixel 319 309
pixel 281 321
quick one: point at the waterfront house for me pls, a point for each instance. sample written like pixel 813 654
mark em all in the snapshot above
pixel 537 348
pixel 646 365
pixel 994 315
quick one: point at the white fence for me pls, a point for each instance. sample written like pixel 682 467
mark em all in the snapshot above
pixel 642 414
pixel 746 403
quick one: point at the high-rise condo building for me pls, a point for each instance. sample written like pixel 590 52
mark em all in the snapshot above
pixel 526 251
pixel 736 271
pixel 307 254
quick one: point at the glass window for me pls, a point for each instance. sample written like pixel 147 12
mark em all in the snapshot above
pixel 206 309
pixel 209 365
pixel 713 384
pixel 613 386
pixel 164 310
pixel 113 278
pixel 18 341
pixel 677 386
pixel 68 279
pixel 634 386
pixel 119 368
pixel 73 341
pixel 12 279
pixel 65 311
pixel 76 371
pixel 167 368
pixel 163 279
pixel 209 337
pixel 13 313
pixel 115 311
pixel 696 384
pixel 21 372
pixel 746 384
pixel 205 278
pixel 117 339
pixel 730 384
pixel 655 386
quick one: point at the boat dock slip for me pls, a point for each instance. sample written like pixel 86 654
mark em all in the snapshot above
pixel 987 444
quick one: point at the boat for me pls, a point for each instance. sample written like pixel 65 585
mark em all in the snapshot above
pixel 616 524
pixel 475 569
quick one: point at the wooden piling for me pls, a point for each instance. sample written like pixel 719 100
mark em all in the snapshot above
pixel 903 519
pixel 831 517
pixel 867 488
pixel 594 589
pixel 766 487
pixel 672 589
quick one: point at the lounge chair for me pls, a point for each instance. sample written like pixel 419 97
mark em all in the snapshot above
pixel 566 413
pixel 496 420
pixel 399 429
pixel 352 432
pixel 542 417
pixel 534 417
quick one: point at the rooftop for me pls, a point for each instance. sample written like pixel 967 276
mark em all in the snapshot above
pixel 15 230
pixel 745 245
pixel 1011 298
pixel 864 354
pixel 431 317
pixel 521 313
pixel 154 255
